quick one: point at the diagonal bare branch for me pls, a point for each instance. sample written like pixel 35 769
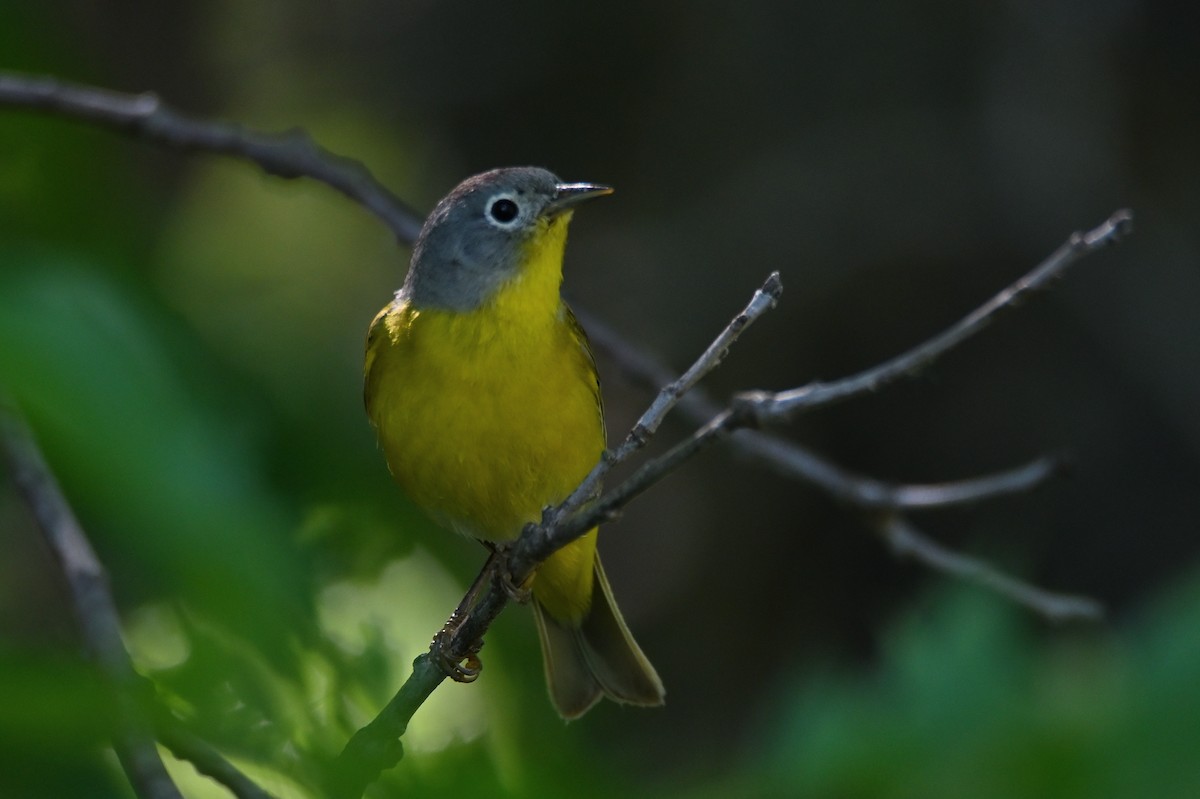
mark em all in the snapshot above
pixel 784 404
pixel 906 541
pixel 292 154
pixel 207 760
pixel 91 600
pixel 797 462
pixel 672 391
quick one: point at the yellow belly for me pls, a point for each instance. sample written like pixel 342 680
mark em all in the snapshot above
pixel 485 421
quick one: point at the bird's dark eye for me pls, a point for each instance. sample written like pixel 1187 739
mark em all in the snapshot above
pixel 504 210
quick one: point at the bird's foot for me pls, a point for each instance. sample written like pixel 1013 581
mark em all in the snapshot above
pixel 503 576
pixel 460 668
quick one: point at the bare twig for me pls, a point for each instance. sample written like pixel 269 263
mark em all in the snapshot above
pixel 795 461
pixel 971 490
pixel 904 538
pixel 672 391
pixel 763 300
pixel 293 154
pixel 784 404
pixel 207 760
pixel 906 541
pixel 752 408
pixel 91 601
pixel 540 541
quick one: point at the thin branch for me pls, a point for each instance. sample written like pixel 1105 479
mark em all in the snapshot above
pixel 100 624
pixel 540 541
pixel 537 544
pixel 792 460
pixel 377 747
pixel 785 404
pixel 853 488
pixel 764 299
pixel 289 155
pixel 750 409
pixel 970 491
pixel 906 541
pixel 91 601
pixel 208 761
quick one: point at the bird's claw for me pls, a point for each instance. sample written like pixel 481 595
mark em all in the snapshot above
pixel 503 577
pixel 464 668
pixel 517 593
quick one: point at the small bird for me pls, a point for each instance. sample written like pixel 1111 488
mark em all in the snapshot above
pixel 481 386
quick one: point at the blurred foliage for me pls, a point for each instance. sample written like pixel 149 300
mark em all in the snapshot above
pixel 185 336
pixel 965 702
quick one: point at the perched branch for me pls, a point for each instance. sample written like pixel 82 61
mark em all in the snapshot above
pixel 290 155
pixel 91 601
pixel 376 747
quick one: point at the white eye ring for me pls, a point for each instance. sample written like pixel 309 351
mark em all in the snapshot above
pixel 504 211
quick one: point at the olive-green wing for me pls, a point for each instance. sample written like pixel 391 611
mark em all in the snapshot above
pixel 585 347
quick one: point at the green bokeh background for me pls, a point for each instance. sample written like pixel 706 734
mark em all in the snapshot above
pixel 185 335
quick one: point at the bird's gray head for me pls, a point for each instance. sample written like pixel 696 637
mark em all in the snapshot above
pixel 473 241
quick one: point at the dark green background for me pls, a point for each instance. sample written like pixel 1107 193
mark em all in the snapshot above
pixel 185 335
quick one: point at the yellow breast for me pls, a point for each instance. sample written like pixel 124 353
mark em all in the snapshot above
pixel 487 416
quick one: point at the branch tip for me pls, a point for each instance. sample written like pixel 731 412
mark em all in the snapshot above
pixel 906 541
pixel 1117 227
pixel 773 287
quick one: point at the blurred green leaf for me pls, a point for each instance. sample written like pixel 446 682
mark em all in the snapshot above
pixel 169 483
pixel 965 703
pixel 53 728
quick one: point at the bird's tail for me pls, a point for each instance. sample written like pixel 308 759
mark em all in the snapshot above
pixel 595 657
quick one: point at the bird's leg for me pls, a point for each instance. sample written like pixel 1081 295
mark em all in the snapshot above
pixel 503 577
pixel 467 667
pixel 455 668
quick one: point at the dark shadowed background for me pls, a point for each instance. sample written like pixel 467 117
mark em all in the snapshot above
pixel 186 335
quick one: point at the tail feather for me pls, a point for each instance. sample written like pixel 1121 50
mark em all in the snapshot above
pixel 596 658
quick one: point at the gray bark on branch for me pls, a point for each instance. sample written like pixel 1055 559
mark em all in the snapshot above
pixel 292 154
pixel 90 599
